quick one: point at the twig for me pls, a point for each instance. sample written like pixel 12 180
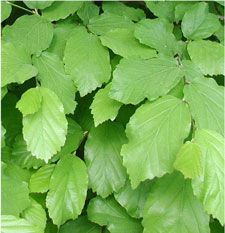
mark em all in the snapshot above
pixel 12 4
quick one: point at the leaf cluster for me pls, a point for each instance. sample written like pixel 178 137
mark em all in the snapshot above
pixel 112 117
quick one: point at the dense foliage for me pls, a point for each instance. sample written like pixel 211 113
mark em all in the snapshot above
pixel 112 117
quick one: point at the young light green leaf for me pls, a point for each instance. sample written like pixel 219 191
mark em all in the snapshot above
pixel 189 160
pixel 135 79
pixel 107 212
pixel 103 101
pixel 172 207
pixel 63 29
pixel 198 23
pixel 5 10
pixel 61 9
pixel 133 200
pixel 52 75
pixel 16 64
pixel 22 157
pixel 44 137
pixel 168 119
pixel 162 10
pixel 14 195
pixel 39 181
pixel 10 224
pixel 209 187
pixel 31 102
pixel 105 22
pixel 82 224
pixel 38 4
pixel 87 61
pixel 208 56
pixel 33 32
pixel 65 201
pixel 119 8
pixel 36 215
pixel 206 101
pixel 88 11
pixel 122 42
pixel 104 162
pixel 157 33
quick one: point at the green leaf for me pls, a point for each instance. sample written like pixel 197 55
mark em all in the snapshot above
pixel 198 23
pixel 191 72
pixel 119 8
pixel 5 10
pixel 135 79
pixel 36 215
pixel 52 75
pixel 62 31
pixel 87 61
pixel 73 139
pixel 189 160
pixel 162 9
pixel 103 101
pixel 220 34
pixel 39 181
pixel 180 10
pixel 122 42
pixel 104 162
pixel 16 172
pixel 208 56
pixel 44 137
pixel 4 91
pixel 105 22
pixel 107 212
pixel 31 102
pixel 16 65
pixel 145 156
pixel 157 33
pixel 82 224
pixel 11 118
pixel 61 9
pixel 206 101
pixel 22 157
pixel 34 33
pixel 11 224
pixel 38 4
pixel 87 11
pixel 177 91
pixel 65 201
pixel 133 200
pixel 209 187
pixel 215 227
pixel 14 195
pixel 172 207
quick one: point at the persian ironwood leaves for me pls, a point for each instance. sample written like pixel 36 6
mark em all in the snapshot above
pixel 104 162
pixel 87 61
pixel 67 189
pixel 16 64
pixel 135 79
pixel 209 187
pixel 172 207
pixel 155 133
pixel 44 122
pixel 32 32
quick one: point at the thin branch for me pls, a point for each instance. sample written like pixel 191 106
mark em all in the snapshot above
pixel 20 7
